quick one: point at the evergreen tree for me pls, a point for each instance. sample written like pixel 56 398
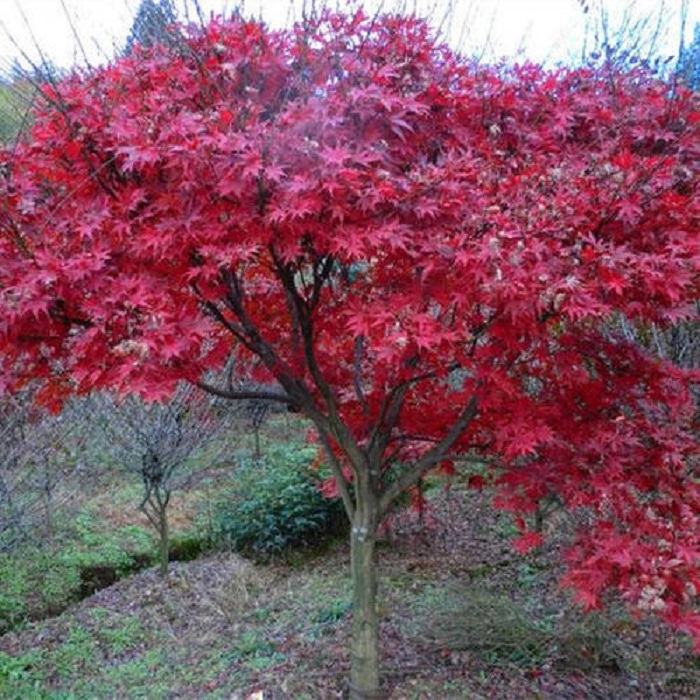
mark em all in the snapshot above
pixel 689 63
pixel 152 24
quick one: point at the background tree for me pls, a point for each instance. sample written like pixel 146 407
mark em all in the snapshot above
pixel 689 64
pixel 633 38
pixel 155 441
pixel 424 256
pixel 10 115
pixel 154 23
pixel 238 377
pixel 630 35
pixel 17 92
pixel 38 461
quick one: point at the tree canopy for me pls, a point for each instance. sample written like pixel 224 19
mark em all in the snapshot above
pixel 427 256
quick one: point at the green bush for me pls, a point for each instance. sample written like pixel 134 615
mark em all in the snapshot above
pixel 187 546
pixel 275 505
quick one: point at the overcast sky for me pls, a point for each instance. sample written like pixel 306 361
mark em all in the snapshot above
pixel 539 29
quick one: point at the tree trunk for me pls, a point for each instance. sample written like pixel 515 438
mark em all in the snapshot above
pixel 364 649
pixel 257 455
pixel 164 543
pixel 48 504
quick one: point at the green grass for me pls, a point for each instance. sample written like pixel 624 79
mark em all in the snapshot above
pixel 503 630
pixel 117 633
pixel 110 653
pixel 77 663
pixel 252 649
pixel 20 677
pixel 226 633
pixel 36 582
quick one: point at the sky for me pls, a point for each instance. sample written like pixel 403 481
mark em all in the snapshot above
pixel 541 30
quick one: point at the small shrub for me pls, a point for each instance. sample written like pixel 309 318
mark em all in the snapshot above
pixel 254 651
pixel 13 599
pixel 19 677
pixel 79 653
pixel 187 546
pixel 275 504
pixel 117 634
pixel 592 640
pixel 251 644
pixel 493 626
pixel 503 630
pixel 335 611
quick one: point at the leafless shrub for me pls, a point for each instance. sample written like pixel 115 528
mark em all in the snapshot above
pixel 39 462
pixel 157 442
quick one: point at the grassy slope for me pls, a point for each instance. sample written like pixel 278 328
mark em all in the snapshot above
pixel 463 617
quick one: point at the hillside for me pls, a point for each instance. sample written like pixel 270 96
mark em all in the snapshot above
pixel 463 617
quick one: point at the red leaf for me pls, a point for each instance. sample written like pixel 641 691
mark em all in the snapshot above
pixel 528 542
pixel 476 481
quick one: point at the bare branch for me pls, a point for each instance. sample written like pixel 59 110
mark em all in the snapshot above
pixel 338 476
pixel 236 395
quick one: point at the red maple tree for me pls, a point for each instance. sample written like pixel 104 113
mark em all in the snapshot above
pixel 428 257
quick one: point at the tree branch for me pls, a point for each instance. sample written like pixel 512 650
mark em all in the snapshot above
pixel 391 409
pixel 434 455
pixel 338 476
pixel 357 374
pixel 234 395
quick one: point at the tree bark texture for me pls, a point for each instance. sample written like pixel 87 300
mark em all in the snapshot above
pixel 164 543
pixel 364 650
